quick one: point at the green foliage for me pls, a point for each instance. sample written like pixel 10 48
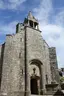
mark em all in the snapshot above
pixel 62 79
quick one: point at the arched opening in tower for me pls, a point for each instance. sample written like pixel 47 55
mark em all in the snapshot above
pixel 31 23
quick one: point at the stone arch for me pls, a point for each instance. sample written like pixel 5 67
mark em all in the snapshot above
pixel 36 61
pixel 37 64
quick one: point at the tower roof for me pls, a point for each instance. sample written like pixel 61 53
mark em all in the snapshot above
pixel 31 21
pixel 30 15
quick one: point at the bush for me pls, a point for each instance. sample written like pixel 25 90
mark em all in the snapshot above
pixel 62 79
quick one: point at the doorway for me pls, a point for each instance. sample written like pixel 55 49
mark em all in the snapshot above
pixel 34 86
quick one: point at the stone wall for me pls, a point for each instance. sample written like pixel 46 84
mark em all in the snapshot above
pixel 36 50
pixel 22 49
pixel 53 64
pixel 2 48
pixel 0 53
pixel 0 63
pixel 13 75
pixel 47 64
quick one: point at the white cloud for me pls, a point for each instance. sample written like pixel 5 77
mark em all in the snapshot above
pixel 50 29
pixel 52 33
pixel 60 18
pixel 43 11
pixel 9 28
pixel 11 4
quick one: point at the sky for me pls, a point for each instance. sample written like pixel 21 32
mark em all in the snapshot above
pixel 50 14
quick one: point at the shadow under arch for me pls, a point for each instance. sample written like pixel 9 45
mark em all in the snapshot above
pixel 36 62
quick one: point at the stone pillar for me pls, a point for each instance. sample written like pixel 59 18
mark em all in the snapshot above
pixel 28 81
pixel 28 23
pixel 38 86
pixel 33 24
pixel 38 26
pixel 42 81
pixel 27 78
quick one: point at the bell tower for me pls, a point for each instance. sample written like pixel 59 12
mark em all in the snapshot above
pixel 31 21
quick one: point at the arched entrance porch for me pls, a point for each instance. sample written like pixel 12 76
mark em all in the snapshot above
pixel 36 82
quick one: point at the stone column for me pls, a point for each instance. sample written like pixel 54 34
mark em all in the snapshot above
pixel 28 81
pixel 28 23
pixel 27 78
pixel 38 81
pixel 42 81
pixel 38 26
pixel 33 25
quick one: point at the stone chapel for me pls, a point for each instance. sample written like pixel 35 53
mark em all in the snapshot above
pixel 28 65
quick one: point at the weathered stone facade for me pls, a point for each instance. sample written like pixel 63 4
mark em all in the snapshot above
pixel 53 64
pixel 25 59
